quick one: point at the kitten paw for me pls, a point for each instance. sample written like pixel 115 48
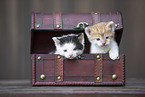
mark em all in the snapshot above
pixel 114 56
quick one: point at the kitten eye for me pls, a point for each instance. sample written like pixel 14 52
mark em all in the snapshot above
pixel 74 49
pixel 98 39
pixel 107 37
pixel 65 50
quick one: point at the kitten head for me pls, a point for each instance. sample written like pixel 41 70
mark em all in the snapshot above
pixel 101 34
pixel 69 46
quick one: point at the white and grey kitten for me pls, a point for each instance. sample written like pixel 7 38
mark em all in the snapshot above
pixel 101 37
pixel 70 46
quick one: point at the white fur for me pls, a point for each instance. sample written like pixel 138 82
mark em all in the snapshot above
pixel 112 48
pixel 71 53
pixel 97 47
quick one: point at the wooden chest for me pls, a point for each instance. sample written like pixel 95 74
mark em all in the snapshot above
pixel 88 69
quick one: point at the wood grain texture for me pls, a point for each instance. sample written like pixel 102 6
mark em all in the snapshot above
pixel 22 88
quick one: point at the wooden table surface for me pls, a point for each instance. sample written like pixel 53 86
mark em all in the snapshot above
pixel 23 88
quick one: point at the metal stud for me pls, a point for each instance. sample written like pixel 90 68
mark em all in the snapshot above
pixel 81 57
pixel 58 57
pixel 117 25
pixel 98 57
pixel 39 58
pixel 58 26
pixel 38 25
pixel 42 76
pixel 114 76
pixel 58 77
pixel 98 78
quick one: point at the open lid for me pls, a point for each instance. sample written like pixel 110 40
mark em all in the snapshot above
pixel 44 26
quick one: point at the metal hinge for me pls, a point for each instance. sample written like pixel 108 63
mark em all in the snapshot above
pixel 81 25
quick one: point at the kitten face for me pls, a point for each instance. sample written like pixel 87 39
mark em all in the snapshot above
pixel 102 40
pixel 69 46
pixel 101 34
pixel 69 50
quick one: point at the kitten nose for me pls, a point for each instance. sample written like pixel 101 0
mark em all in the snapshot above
pixel 103 44
pixel 70 56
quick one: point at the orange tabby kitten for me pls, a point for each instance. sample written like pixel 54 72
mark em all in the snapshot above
pixel 101 37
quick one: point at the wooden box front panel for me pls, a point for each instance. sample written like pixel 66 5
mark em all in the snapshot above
pixel 77 71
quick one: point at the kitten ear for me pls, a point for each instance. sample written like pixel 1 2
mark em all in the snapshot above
pixel 81 38
pixel 56 41
pixel 88 31
pixel 110 25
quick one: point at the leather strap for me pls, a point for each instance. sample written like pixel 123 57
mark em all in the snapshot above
pixel 95 18
pixel 57 20
pixel 38 21
pixel 116 18
pixel 98 68
pixel 59 69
